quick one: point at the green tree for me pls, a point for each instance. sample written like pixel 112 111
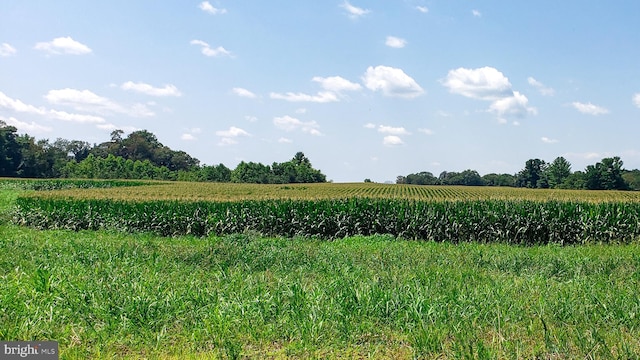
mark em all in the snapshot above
pixel 531 174
pixel 606 175
pixel 557 172
pixel 10 150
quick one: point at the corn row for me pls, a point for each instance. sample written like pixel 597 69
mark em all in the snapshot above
pixel 516 222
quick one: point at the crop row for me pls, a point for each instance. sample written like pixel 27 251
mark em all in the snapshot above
pixel 65 184
pixel 508 221
pixel 185 191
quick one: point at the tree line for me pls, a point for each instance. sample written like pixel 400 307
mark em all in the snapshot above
pixel 137 156
pixel 607 174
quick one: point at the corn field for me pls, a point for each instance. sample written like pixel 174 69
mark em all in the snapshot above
pixel 330 211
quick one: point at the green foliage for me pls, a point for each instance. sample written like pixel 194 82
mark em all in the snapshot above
pixel 605 175
pixel 516 222
pixel 532 175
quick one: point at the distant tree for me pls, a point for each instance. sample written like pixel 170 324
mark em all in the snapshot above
pixel 575 180
pixel 467 178
pixel 632 178
pixel 421 178
pixel 531 174
pixel 367 180
pixel 10 150
pixel 401 179
pixel 499 180
pixel 251 173
pixel 605 175
pixel 215 173
pixel 556 172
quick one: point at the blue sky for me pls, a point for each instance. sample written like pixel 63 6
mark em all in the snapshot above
pixel 366 89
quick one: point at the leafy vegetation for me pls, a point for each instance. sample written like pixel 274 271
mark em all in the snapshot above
pixel 107 295
pixel 444 216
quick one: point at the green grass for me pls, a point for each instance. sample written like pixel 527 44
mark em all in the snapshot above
pixel 106 295
pixel 112 295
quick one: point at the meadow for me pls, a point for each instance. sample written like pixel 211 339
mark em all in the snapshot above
pixel 107 293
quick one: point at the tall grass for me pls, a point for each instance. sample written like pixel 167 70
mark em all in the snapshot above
pixel 105 295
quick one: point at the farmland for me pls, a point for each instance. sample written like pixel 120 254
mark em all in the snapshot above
pixel 107 293
pixel 330 211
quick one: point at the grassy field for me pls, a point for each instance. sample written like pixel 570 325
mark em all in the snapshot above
pixel 106 294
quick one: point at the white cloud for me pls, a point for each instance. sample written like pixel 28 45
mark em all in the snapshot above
pixel 301 111
pixel 167 90
pixel 232 132
pixel 422 9
pixel 589 108
pixel 79 118
pixel 207 7
pixel 370 126
pixel 548 140
pixel 111 127
pixel 85 100
pixel 283 140
pixel 250 118
pixel 426 131
pixel 546 91
pixel 336 84
pixel 7 50
pixel 63 45
pixel 321 97
pixel 227 142
pixel 244 93
pixel 636 99
pixel 515 105
pixel 392 140
pixel 484 83
pixel 395 42
pixel 392 130
pixel 392 82
pixel 476 13
pixel 289 123
pixel 209 51
pixel 31 127
pixel 354 11
pixel 187 137
pixel 489 84
pixel 18 106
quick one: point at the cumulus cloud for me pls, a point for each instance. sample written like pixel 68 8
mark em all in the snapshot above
pixel 546 91
pixel 18 106
pixel 79 118
pixel 85 100
pixel 392 130
pixel 548 140
pixel 489 84
pixel 207 50
pixel 228 137
pixel 251 118
pixel 7 50
pixel 232 132
pixel 187 137
pixel 244 93
pixel 289 123
pixel 516 105
pixel 111 127
pixel 370 126
pixel 395 42
pixel 636 99
pixel 208 8
pixel 422 9
pixel 392 140
pixel 392 82
pixel 589 108
pixel 284 140
pixel 426 131
pixel 167 90
pixel 320 97
pixel 336 84
pixel 476 13
pixel 63 45
pixel 354 12
pixel 484 83
pixel 27 127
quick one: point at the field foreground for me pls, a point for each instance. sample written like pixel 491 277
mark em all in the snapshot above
pixel 106 295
